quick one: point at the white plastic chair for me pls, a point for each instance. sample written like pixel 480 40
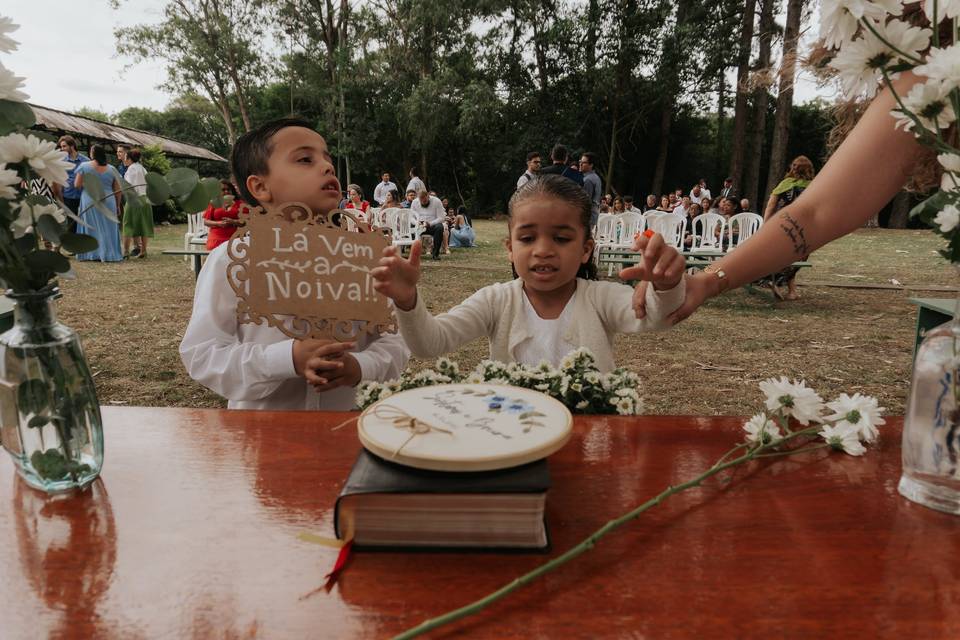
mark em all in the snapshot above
pixel 708 232
pixel 605 235
pixel 747 225
pixel 404 227
pixel 628 226
pixel 671 226
pixel 196 232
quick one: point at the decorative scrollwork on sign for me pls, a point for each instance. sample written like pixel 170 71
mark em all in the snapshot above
pixel 308 274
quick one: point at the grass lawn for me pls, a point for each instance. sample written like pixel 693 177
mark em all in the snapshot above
pixel 131 317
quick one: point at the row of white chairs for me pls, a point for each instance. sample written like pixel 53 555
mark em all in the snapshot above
pixel 711 231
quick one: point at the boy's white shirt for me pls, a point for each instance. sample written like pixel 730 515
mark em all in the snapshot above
pixel 251 365
pixel 600 310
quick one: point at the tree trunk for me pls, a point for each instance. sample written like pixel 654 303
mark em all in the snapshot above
pixel 740 107
pixel 788 66
pixel 668 73
pixel 761 98
pixel 900 211
pixel 721 115
pixel 666 121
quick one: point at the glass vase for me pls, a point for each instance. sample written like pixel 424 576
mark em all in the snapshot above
pixel 931 427
pixel 49 414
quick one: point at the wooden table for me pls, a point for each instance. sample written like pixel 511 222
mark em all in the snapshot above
pixel 192 533
pixel 931 313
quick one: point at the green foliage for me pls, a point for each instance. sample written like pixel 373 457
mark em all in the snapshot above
pixel 95 114
pixel 157 188
pixel 154 160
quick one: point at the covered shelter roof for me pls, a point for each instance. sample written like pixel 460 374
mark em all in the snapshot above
pixel 61 122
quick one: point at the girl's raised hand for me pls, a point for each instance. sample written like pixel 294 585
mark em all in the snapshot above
pixel 660 264
pixel 397 277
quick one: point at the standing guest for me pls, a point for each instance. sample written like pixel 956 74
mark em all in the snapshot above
pixel 462 234
pixel 591 183
pixel 651 202
pixel 122 151
pixel 382 189
pixel 798 178
pixel 744 204
pixel 727 191
pixel 69 193
pixel 416 184
pixel 355 200
pixel 137 224
pixel 408 200
pixel 430 214
pixel 560 157
pixel 106 231
pixel 533 168
pixel 700 191
pixel 223 221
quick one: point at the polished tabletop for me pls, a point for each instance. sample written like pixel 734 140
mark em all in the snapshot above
pixel 192 532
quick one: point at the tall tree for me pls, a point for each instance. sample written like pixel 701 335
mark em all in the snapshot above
pixel 760 81
pixel 786 78
pixel 668 75
pixel 741 105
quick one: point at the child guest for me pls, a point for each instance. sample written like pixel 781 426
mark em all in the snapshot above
pixel 256 366
pixel 555 304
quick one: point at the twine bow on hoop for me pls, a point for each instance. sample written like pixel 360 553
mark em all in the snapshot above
pixel 403 420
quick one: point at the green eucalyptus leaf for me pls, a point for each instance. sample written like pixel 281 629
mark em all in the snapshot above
pixel 931 206
pixel 157 188
pixel 49 228
pixel 43 260
pixel 15 115
pixel 33 396
pixel 182 181
pixel 38 422
pixel 78 242
pixel 212 185
pixel 197 200
pixel 51 464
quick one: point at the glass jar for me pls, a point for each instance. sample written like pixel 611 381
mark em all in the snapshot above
pixel 49 414
pixel 931 427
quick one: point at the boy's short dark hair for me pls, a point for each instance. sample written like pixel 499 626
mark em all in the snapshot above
pixel 252 150
pixel 532 155
pixel 559 153
pixel 591 158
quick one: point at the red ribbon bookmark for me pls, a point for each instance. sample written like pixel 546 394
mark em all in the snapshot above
pixel 342 558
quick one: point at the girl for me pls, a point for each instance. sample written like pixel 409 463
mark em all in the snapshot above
pixel 555 304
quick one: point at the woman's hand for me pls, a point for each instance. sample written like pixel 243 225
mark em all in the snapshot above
pixel 698 289
pixel 397 277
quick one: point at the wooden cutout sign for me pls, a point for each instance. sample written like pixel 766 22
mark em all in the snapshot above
pixel 307 274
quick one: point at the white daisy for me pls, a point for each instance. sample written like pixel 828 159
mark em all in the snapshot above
pixel 625 407
pixel 942 65
pixel 7 44
pixel 945 9
pixel 843 438
pixel 860 412
pixel 862 61
pixel 43 156
pixel 947 218
pixel 838 18
pixel 930 103
pixel 9 182
pixel 10 85
pixel 761 429
pixel 951 171
pixel 793 398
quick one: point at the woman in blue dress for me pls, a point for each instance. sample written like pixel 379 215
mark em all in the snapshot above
pixel 107 232
pixel 461 233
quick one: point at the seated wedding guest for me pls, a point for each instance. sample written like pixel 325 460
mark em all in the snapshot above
pixel 681 208
pixel 392 200
pixel 744 204
pixel 256 366
pixel 554 304
pixel 461 233
pixel 628 205
pixel 651 202
pixel 692 212
pixel 430 215
pixel 137 223
pixel 674 201
pixel 706 205
pixel 665 204
pixel 222 221
pixel 618 205
pixel 700 191
pixel 107 232
pixel 411 195
pixel 355 200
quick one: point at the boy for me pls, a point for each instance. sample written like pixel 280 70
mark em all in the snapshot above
pixel 256 366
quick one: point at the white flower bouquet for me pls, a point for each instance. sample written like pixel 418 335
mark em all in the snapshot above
pixel 577 383
pixel 876 41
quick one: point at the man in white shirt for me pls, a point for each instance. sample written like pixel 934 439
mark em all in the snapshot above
pixel 382 189
pixel 533 168
pixel 416 184
pixel 700 191
pixel 681 208
pixel 430 213
pixel 628 206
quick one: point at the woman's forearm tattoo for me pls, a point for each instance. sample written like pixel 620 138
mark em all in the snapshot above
pixel 795 232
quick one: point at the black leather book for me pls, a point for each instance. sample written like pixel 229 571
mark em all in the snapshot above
pixel 384 504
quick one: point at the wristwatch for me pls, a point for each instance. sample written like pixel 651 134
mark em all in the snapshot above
pixel 715 269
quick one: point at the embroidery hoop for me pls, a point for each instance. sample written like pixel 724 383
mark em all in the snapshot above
pixel 471 448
